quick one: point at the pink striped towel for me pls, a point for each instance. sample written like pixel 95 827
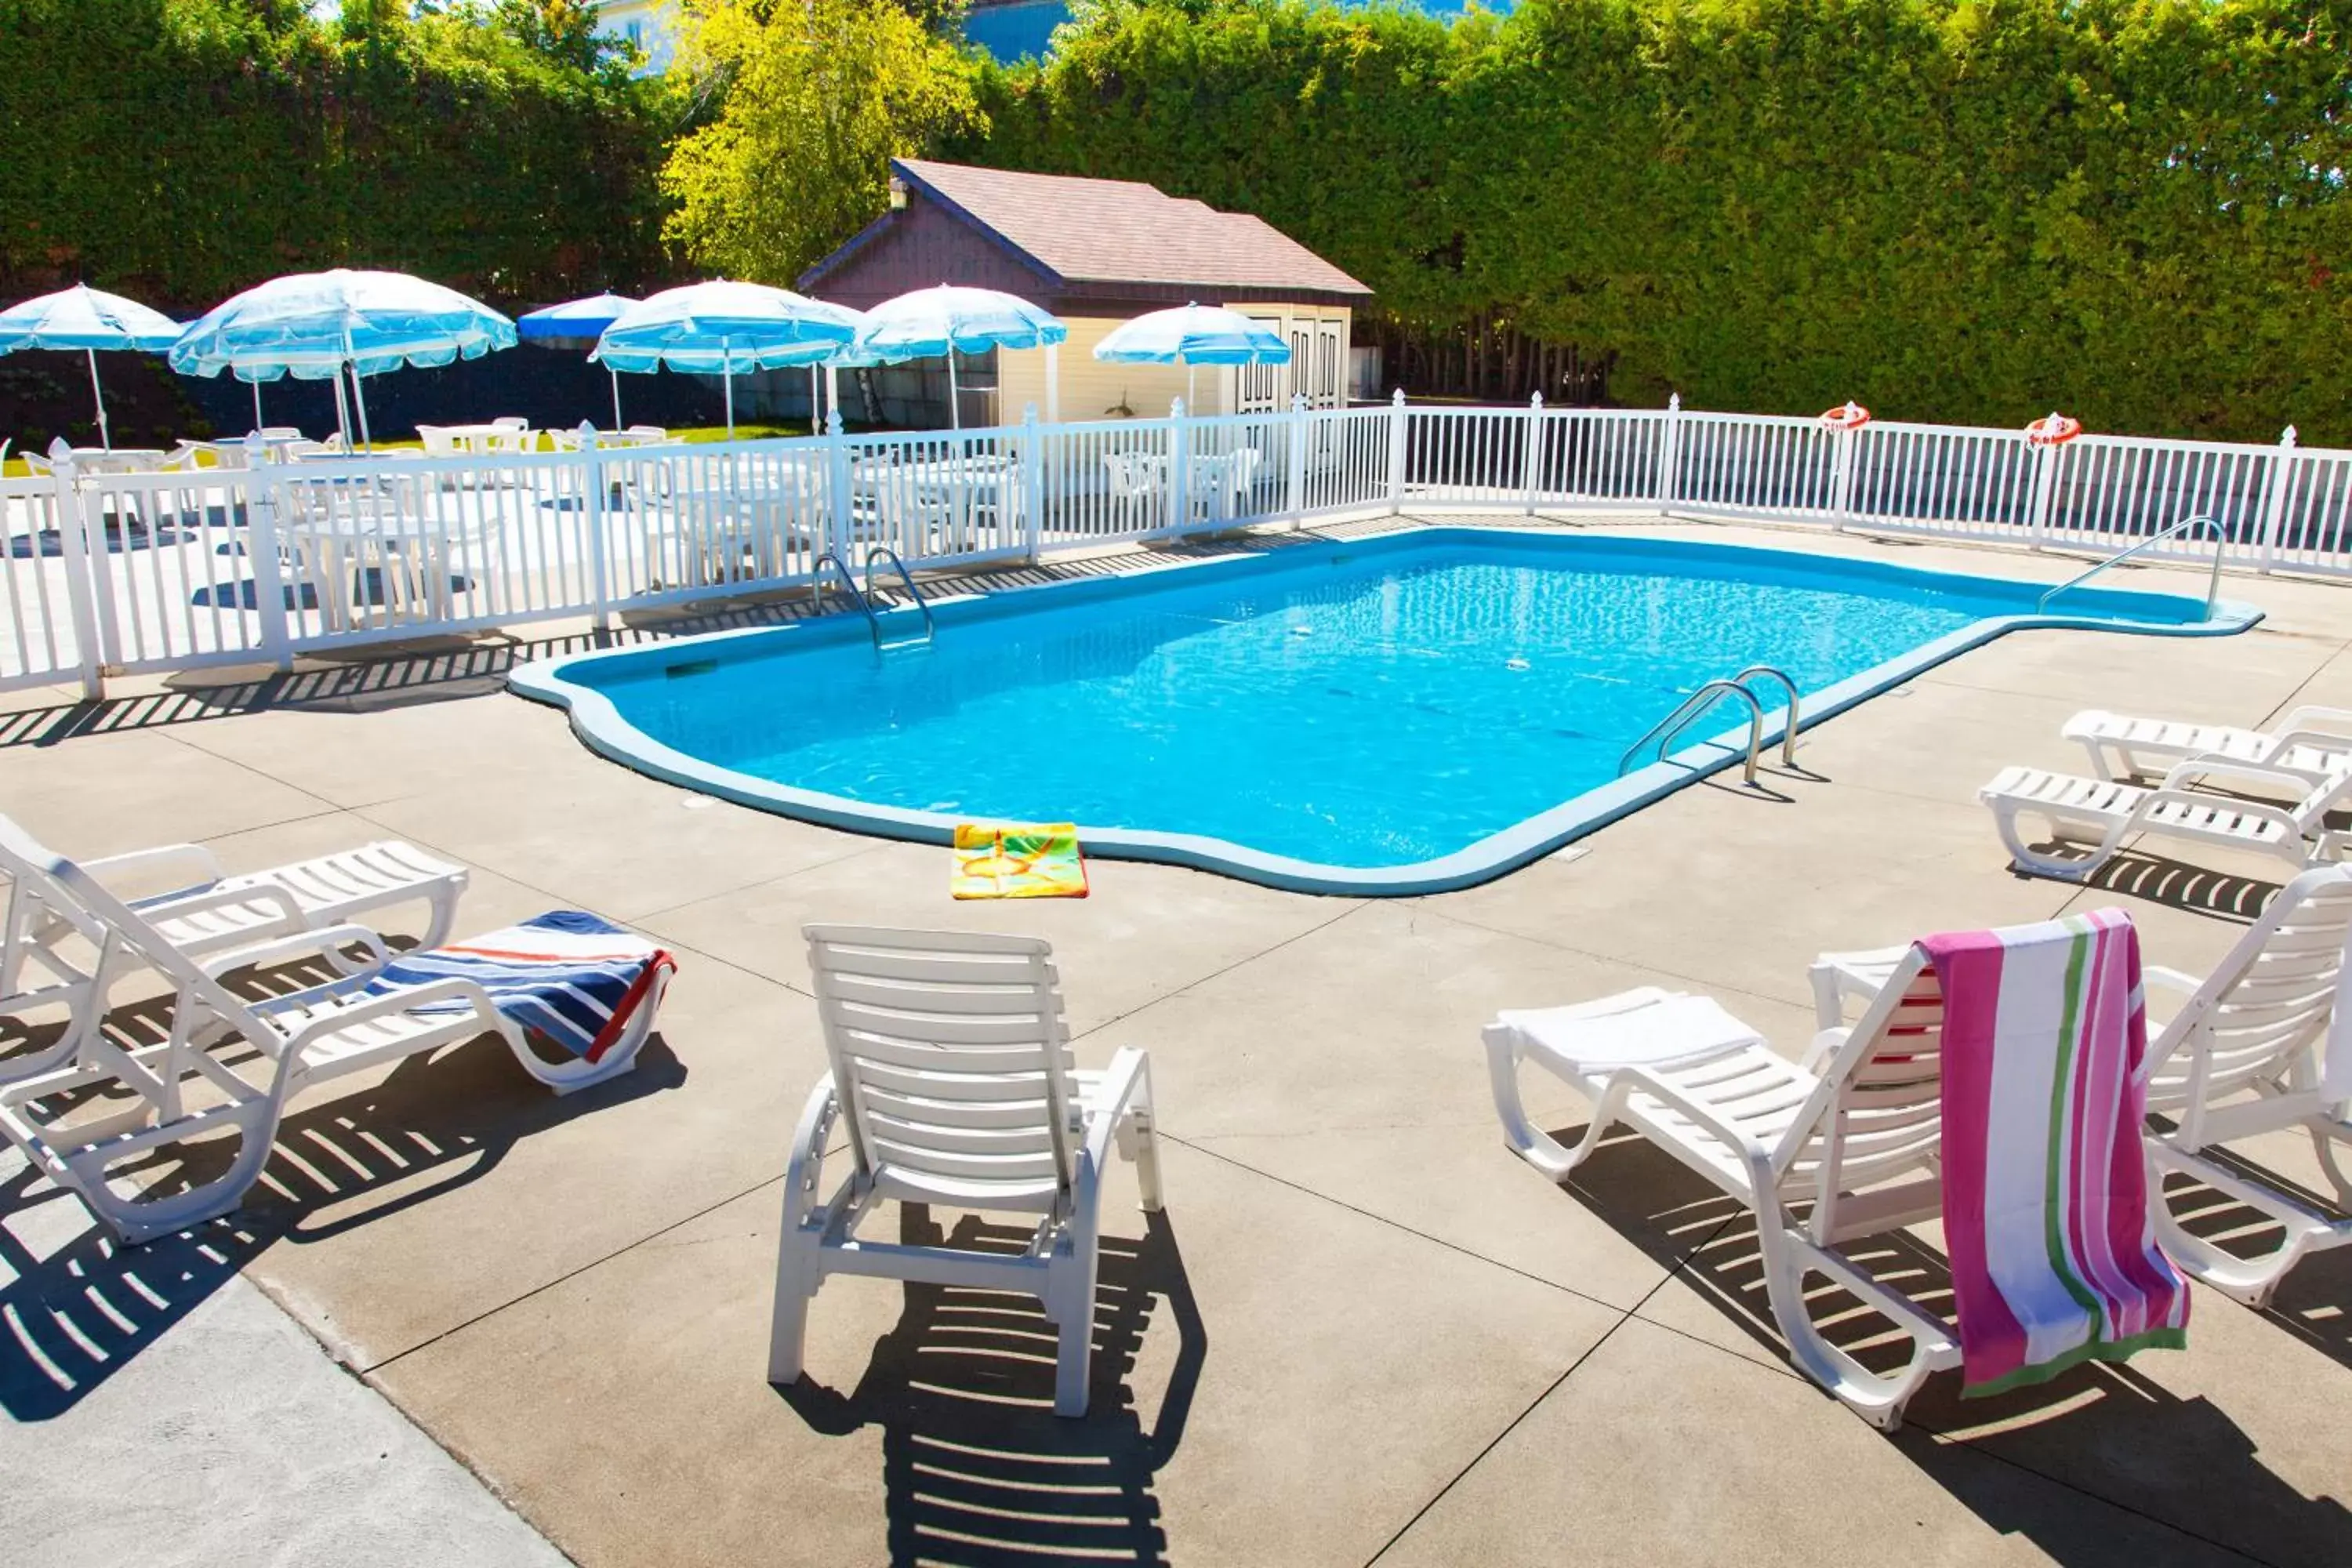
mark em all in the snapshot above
pixel 2045 1189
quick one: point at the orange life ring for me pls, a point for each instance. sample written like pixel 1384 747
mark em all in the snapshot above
pixel 1852 416
pixel 2054 431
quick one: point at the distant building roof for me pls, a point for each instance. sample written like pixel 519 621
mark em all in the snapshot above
pixel 1078 232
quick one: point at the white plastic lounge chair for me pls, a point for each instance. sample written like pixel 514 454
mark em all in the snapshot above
pixel 2310 742
pixel 195 905
pixel 952 1074
pixel 2108 813
pixel 1854 1132
pixel 2249 1050
pixel 231 1065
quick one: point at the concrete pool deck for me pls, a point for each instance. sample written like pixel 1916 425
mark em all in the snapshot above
pixel 1363 1331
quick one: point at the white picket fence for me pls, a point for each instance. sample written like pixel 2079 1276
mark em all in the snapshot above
pixel 119 572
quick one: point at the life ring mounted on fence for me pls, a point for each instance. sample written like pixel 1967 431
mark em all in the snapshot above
pixel 2054 431
pixel 1852 416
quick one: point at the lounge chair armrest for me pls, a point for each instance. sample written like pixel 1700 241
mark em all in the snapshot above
pixel 2333 724
pixel 287 917
pixel 2170 979
pixel 806 1167
pixel 393 1003
pixel 197 859
pixel 316 943
pixel 2332 845
pixel 1130 1072
pixel 1824 1045
pixel 2209 767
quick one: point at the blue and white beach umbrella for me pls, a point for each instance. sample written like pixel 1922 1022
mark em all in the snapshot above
pixel 575 324
pixel 1192 335
pixel 725 329
pixel 90 320
pixel 929 323
pixel 314 325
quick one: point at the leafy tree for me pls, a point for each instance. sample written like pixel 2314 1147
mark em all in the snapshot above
pixel 814 96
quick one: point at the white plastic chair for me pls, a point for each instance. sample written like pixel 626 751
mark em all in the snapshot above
pixel 951 1077
pixel 2109 813
pixel 2262 1045
pixel 2312 742
pixel 231 1064
pixel 55 954
pixel 1136 481
pixel 1854 1132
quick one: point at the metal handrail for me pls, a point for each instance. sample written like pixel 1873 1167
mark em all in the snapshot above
pixel 892 556
pixel 2212 585
pixel 1789 732
pixel 849 586
pixel 1672 726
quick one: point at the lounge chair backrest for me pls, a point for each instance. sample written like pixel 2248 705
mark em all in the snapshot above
pixel 1879 1109
pixel 2274 998
pixel 950 1062
pixel 69 890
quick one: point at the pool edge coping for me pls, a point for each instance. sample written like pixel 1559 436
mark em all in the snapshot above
pixel 599 725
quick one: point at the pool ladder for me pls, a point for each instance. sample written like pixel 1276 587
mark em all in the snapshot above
pixel 864 598
pixel 1669 730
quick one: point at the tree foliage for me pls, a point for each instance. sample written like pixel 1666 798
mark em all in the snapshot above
pixel 1969 210
pixel 816 97
pixel 180 149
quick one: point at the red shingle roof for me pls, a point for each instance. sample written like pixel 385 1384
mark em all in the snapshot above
pixel 1123 231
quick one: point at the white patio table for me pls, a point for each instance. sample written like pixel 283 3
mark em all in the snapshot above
pixel 412 556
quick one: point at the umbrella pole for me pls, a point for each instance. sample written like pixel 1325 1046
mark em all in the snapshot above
pixel 257 406
pixel 616 397
pixel 730 401
pixel 1192 398
pixel 816 422
pixel 342 409
pixel 955 408
pixel 359 396
pixel 105 438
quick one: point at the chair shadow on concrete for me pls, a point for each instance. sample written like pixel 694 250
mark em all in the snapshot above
pixel 2099 1431
pixel 76 1304
pixel 2194 890
pixel 2314 1303
pixel 977 1469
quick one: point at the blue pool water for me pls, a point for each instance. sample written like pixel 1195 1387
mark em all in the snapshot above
pixel 1026 27
pixel 1378 706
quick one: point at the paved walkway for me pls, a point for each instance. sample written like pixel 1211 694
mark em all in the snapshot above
pixel 1362 1331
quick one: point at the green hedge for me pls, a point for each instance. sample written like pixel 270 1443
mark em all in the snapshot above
pixel 180 149
pixel 1965 212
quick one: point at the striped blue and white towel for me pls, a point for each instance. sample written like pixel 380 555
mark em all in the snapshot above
pixel 571 976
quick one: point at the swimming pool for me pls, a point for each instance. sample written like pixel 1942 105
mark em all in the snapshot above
pixel 1417 711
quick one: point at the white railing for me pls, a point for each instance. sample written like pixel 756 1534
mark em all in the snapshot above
pixel 234 565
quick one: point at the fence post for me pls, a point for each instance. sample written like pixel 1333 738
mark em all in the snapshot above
pixel 2275 508
pixel 1180 469
pixel 838 489
pixel 81 582
pixel 1396 452
pixel 1531 467
pixel 261 549
pixel 1033 484
pixel 2045 486
pixel 1670 452
pixel 1295 499
pixel 1844 439
pixel 600 573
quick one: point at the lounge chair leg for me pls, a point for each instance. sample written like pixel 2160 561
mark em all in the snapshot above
pixel 1072 1292
pixel 2250 1281
pixel 2005 813
pixel 1537 1148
